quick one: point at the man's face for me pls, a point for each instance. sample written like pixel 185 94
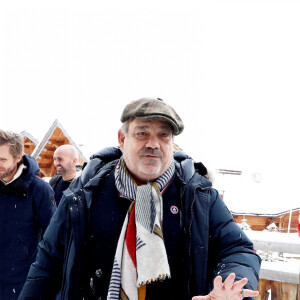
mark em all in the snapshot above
pixel 63 162
pixel 147 148
pixel 8 164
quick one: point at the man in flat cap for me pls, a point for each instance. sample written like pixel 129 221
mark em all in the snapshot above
pixel 143 223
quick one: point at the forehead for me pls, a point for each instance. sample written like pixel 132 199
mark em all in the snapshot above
pixel 61 153
pixel 149 124
pixel 5 151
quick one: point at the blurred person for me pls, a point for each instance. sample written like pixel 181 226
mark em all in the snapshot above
pixel 65 160
pixel 142 223
pixel 26 207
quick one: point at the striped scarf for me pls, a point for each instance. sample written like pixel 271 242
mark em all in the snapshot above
pixel 141 256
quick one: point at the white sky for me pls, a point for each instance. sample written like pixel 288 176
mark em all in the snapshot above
pixel 231 69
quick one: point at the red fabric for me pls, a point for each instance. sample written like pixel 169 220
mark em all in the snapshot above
pixel 299 229
pixel 130 237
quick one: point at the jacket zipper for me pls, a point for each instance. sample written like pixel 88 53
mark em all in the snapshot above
pixel 190 245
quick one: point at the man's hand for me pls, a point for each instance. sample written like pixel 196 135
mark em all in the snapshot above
pixel 229 290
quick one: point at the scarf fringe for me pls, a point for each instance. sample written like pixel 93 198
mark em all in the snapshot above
pixel 161 277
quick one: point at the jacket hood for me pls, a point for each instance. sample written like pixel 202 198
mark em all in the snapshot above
pixel 31 164
pixel 93 172
pixel 108 154
pixel 32 169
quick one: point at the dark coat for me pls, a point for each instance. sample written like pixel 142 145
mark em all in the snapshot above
pixel 210 233
pixel 26 207
pixel 54 181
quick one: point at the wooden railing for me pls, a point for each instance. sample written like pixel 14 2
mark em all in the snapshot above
pixel 280 274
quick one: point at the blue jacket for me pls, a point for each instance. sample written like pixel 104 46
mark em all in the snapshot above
pixel 214 244
pixel 26 207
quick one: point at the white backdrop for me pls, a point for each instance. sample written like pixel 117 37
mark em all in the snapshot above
pixel 229 68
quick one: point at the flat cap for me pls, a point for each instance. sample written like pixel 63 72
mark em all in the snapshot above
pixel 150 108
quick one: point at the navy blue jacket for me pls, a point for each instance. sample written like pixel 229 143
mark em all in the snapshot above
pixel 26 207
pixel 214 244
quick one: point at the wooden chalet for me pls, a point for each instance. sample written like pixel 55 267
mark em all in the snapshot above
pixel 286 221
pixel 43 152
pixel 29 142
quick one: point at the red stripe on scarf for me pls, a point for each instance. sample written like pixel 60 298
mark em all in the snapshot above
pixel 130 237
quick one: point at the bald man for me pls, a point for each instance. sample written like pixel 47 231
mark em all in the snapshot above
pixel 65 160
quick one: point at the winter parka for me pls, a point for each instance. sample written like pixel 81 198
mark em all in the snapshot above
pixel 214 244
pixel 26 207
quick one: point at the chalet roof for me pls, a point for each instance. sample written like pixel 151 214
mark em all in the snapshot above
pixel 30 142
pixel 43 153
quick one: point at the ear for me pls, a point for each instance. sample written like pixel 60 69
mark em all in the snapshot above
pixel 18 159
pixel 121 138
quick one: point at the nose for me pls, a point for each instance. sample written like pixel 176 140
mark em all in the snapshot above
pixel 152 143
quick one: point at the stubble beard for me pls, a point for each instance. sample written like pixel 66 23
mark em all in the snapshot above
pixel 61 171
pixel 8 172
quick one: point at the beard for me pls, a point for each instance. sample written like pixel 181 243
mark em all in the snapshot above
pixel 60 171
pixel 8 172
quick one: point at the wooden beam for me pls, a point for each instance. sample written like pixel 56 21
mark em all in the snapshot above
pixel 52 171
pixel 279 290
pixel 44 161
pixel 53 146
pixel 45 172
pixel 47 155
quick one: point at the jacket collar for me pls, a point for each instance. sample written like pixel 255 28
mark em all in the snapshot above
pixel 103 161
pixel 17 174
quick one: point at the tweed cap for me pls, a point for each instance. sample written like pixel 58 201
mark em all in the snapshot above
pixel 150 108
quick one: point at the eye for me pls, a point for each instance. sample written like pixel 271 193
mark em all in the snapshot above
pixel 165 134
pixel 141 134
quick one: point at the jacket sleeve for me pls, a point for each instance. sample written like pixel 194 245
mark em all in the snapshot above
pixel 45 274
pixel 230 249
pixel 43 203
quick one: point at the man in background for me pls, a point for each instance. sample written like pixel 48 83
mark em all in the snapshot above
pixel 26 207
pixel 65 160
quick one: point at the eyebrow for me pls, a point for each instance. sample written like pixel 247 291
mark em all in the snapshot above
pixel 164 127
pixel 141 127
